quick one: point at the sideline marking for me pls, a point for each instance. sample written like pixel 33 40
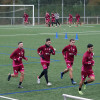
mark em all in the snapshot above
pixel 8 98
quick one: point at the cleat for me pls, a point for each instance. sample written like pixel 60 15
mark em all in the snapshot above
pixel 20 86
pixel 38 80
pixel 61 75
pixel 73 82
pixel 49 84
pixel 9 76
pixel 80 92
pixel 84 86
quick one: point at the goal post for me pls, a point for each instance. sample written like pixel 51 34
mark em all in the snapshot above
pixel 33 21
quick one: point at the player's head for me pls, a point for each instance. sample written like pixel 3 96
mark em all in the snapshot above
pixel 90 47
pixel 20 45
pixel 48 41
pixel 72 42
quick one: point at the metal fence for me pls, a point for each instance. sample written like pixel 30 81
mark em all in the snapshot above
pixel 20 20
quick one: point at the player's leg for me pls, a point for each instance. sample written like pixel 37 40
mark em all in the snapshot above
pixel 65 71
pixel 21 69
pixel 71 76
pixel 80 87
pixel 91 78
pixel 83 77
pixel 15 74
pixel 46 74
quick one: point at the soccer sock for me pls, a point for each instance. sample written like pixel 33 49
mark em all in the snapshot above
pixel 42 73
pixel 72 79
pixel 20 83
pixel 79 89
pixel 45 74
pixel 85 82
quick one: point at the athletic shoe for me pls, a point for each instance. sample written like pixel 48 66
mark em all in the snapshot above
pixel 19 86
pixel 61 75
pixel 38 80
pixel 84 86
pixel 9 76
pixel 80 92
pixel 49 84
pixel 73 82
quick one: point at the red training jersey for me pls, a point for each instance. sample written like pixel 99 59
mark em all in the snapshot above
pixel 87 61
pixel 46 52
pixel 17 56
pixel 69 52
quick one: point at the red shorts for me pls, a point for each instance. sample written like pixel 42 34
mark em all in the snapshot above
pixel 70 20
pixel 69 64
pixel 26 20
pixel 45 65
pixel 47 21
pixel 78 20
pixel 18 69
pixel 84 74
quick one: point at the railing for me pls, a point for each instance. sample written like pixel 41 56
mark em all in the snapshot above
pixel 20 20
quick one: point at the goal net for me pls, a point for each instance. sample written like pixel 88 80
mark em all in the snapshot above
pixel 13 14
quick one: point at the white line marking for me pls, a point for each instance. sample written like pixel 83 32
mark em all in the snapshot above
pixel 61 33
pixel 8 98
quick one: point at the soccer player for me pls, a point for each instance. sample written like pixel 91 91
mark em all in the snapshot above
pixel 25 18
pixel 17 56
pixel 68 52
pixel 57 19
pixel 47 19
pixel 53 18
pixel 44 52
pixel 87 63
pixel 70 20
pixel 77 20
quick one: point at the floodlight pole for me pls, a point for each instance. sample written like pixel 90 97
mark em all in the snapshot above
pixel 38 11
pixel 62 10
pixel 13 12
pixel 84 11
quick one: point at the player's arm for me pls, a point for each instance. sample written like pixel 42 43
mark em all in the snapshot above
pixel 52 51
pixel 85 61
pixel 75 51
pixel 64 52
pixel 39 51
pixel 24 56
pixel 13 56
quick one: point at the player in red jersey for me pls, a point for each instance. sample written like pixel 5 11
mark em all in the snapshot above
pixel 77 20
pixel 87 63
pixel 70 20
pixel 47 19
pixel 17 56
pixel 53 18
pixel 44 52
pixel 68 52
pixel 25 18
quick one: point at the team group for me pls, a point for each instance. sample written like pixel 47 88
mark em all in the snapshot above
pixel 44 52
pixel 55 19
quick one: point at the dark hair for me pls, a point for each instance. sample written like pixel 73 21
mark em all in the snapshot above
pixel 19 42
pixel 71 40
pixel 48 39
pixel 89 45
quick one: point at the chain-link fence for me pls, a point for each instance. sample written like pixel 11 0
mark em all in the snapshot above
pixel 92 13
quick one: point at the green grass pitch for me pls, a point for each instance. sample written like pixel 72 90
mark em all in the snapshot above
pixel 33 37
